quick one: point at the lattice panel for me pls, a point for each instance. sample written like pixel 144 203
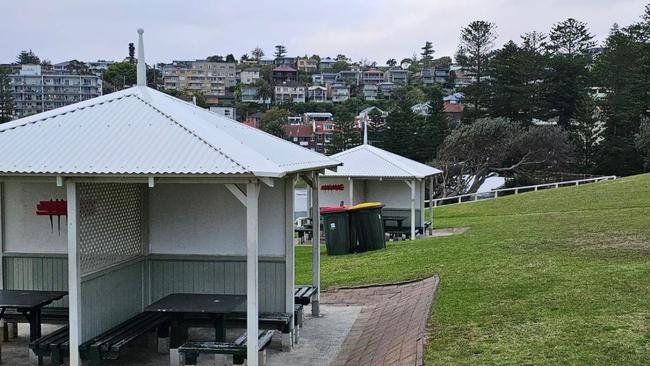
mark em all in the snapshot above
pixel 111 224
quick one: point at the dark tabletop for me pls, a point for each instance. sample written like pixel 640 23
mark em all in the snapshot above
pixel 28 298
pixel 395 218
pixel 197 303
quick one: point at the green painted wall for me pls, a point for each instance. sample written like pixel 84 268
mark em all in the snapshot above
pixel 36 272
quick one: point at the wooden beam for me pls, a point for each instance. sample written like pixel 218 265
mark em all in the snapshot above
pixel 411 185
pixel 315 247
pixel 307 179
pixel 151 182
pixel 74 282
pixel 289 248
pixel 351 191
pixel 266 180
pixel 237 192
pixel 252 283
pixel 431 203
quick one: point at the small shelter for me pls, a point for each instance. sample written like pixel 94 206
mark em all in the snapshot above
pixel 371 174
pixel 158 196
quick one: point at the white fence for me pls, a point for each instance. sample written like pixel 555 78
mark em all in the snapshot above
pixel 473 197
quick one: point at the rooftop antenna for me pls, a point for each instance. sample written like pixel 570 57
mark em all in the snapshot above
pixel 142 67
pixel 365 131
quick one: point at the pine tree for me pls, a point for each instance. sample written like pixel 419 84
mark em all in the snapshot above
pixel 257 53
pixel 27 57
pixel 346 135
pixel 6 97
pixel 131 53
pixel 280 51
pixel 427 55
pixel 474 55
pixel 586 132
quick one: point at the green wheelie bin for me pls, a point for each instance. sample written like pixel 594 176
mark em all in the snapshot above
pixel 336 225
pixel 368 226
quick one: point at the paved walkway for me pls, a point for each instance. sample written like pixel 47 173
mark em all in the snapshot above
pixel 391 328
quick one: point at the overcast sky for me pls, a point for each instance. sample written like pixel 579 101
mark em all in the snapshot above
pixel 190 29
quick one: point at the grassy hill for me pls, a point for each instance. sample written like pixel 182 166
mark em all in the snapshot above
pixel 550 277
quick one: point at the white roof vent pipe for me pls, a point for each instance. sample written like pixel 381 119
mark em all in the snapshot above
pixel 142 66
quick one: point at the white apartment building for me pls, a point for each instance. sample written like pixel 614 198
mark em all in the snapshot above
pixel 36 90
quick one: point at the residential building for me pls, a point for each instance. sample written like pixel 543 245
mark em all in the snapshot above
pixel 313 117
pixel 326 63
pixel 386 88
pixel 249 94
pixel 254 120
pixel 284 74
pixel 317 93
pixel 454 98
pixel 323 131
pixel 211 79
pixel 290 92
pixel 426 77
pixel 267 61
pixel 364 116
pixel 224 111
pixel 462 77
pixel 302 135
pixel 294 120
pixel 339 92
pixel 309 65
pixel 285 61
pixel 397 76
pixel 441 74
pixel 98 67
pixel 370 91
pixel 36 90
pixel 454 112
pixel 352 77
pixel 249 76
pixel 324 78
pixel 372 76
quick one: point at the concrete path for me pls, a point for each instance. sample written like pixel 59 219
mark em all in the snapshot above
pixel 391 328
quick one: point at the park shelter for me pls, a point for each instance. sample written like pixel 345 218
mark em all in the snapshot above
pixel 371 174
pixel 161 197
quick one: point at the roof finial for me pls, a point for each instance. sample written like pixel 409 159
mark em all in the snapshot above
pixel 142 66
pixel 365 131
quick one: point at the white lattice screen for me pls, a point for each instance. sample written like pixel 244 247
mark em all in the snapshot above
pixel 111 224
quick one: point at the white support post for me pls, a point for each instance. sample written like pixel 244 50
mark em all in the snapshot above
pixel 351 199
pixel 411 184
pixel 315 246
pixel 422 199
pixel 431 204
pixel 74 282
pixel 252 316
pixel 289 249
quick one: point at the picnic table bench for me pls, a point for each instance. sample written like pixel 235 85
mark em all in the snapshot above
pixel 190 351
pixel 303 294
pixel 55 345
pixel 108 345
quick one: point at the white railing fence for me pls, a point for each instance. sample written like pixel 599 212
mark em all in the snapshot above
pixel 473 197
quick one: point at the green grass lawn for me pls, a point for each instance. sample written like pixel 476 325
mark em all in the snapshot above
pixel 550 277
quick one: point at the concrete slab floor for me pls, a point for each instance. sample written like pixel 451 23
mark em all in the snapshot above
pixel 319 342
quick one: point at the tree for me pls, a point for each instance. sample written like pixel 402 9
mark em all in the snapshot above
pixel 264 90
pixel 201 100
pixel 427 55
pixel 401 124
pixel 345 135
pixel 257 53
pixel 391 62
pixel 274 122
pixel 214 58
pixel 471 153
pixel 474 54
pixel 77 67
pixel 121 75
pixel 569 44
pixel 231 58
pixel 570 38
pixel 131 53
pixel 280 51
pixel 642 143
pixel 376 128
pixel 27 57
pixel 341 57
pixel 586 131
pixel 6 96
pixel 244 58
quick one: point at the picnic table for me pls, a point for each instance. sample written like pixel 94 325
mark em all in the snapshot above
pixel 29 303
pixel 185 307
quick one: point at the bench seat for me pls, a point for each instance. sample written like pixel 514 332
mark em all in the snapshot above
pixel 303 294
pixel 273 321
pixel 55 345
pixel 108 345
pixel 190 351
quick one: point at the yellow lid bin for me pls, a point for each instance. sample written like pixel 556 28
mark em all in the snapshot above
pixel 366 205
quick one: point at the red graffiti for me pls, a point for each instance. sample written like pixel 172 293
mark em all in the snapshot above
pixel 52 208
pixel 332 187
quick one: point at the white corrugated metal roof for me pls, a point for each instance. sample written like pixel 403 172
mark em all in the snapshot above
pixel 143 131
pixel 372 162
